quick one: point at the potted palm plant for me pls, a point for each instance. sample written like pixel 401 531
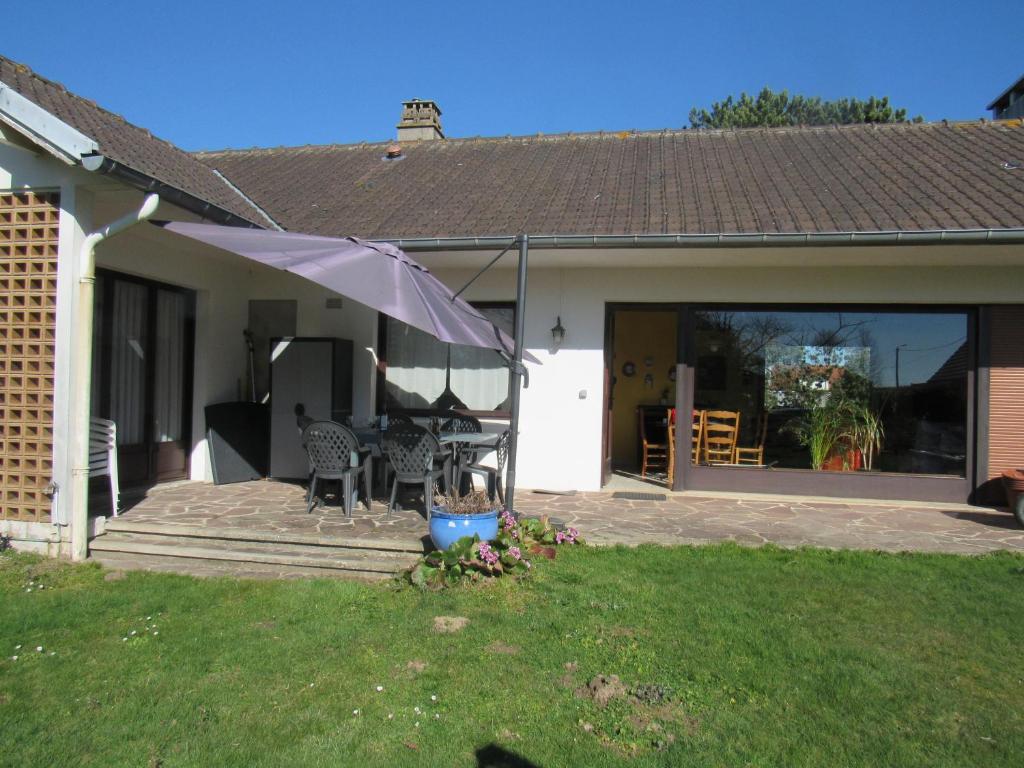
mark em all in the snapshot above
pixel 866 432
pixel 841 434
pixel 455 516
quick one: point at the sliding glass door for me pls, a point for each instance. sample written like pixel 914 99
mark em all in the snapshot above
pixel 142 374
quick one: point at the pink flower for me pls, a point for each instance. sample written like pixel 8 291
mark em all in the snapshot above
pixel 514 551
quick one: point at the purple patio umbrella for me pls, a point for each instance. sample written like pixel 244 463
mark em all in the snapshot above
pixel 378 275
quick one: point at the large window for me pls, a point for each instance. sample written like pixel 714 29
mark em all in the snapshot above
pixel 424 373
pixel 836 390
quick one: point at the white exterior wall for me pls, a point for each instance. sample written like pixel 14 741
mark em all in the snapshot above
pixel 560 431
pixel 224 284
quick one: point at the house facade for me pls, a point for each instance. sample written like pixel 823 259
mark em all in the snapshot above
pixel 744 271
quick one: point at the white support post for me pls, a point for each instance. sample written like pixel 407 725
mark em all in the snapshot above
pixel 82 353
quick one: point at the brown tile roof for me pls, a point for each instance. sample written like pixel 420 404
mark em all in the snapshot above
pixel 795 180
pixel 128 144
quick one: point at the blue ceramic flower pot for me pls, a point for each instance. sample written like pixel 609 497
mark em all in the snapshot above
pixel 448 527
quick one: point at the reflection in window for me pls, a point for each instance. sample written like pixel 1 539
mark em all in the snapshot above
pixel 423 372
pixel 844 391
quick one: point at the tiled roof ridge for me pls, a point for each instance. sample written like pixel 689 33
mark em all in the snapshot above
pixel 27 70
pixel 624 134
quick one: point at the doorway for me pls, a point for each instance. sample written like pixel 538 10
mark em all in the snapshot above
pixel 641 356
pixel 143 353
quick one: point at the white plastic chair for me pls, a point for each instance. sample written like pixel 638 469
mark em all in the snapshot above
pixel 103 454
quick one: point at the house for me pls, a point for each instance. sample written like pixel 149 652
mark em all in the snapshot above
pixel 1010 103
pixel 681 266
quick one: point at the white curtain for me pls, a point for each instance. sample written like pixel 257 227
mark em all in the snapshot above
pixel 418 364
pixel 170 363
pixel 128 363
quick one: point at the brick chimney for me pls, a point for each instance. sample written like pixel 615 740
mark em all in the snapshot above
pixel 421 121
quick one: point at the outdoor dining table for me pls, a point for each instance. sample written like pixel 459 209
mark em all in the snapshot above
pixel 461 441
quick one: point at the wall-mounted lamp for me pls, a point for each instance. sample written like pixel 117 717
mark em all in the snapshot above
pixel 558 332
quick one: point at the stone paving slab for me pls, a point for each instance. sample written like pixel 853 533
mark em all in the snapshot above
pixel 270 506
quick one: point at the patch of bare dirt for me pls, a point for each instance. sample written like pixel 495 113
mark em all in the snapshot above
pixel 415 666
pixel 113 576
pixel 503 648
pixel 602 689
pixel 450 624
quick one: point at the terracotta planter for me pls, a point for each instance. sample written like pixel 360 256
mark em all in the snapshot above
pixel 1013 483
pixel 849 461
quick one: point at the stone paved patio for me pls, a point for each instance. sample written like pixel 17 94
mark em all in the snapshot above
pixel 269 506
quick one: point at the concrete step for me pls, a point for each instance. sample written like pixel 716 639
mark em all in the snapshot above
pixel 410 545
pixel 126 561
pixel 266 554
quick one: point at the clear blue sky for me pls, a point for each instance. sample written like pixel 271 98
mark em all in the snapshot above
pixel 208 75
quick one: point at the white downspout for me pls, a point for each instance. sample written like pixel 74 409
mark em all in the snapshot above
pixel 82 352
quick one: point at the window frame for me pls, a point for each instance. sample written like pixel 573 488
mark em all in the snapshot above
pixel 382 368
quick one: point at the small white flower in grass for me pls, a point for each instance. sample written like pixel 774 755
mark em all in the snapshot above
pixel 39 648
pixel 53 653
pixel 28 589
pixel 155 632
pixel 433 697
pixel 17 647
pixel 437 716
pixel 133 633
pixel 416 710
pixel 124 639
pixel 380 688
pixel 14 658
pixel 148 618
pixel 417 723
pixel 311 685
pixel 355 712
pixel 391 716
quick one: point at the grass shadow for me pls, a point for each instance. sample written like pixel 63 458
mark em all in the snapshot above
pixel 493 756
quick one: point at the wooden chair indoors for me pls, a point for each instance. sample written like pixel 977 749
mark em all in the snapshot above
pixel 654 453
pixel 698 435
pixel 754 455
pixel 671 471
pixel 721 430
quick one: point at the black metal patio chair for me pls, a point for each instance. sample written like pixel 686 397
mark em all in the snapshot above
pixel 331 448
pixel 492 475
pixel 416 458
pixel 465 455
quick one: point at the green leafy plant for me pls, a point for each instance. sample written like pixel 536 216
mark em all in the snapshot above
pixel 866 431
pixel 470 560
pixel 838 426
pixel 778 108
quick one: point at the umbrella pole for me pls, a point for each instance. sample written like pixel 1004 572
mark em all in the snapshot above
pixel 517 373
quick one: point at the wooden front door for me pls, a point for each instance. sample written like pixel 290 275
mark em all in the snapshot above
pixel 143 351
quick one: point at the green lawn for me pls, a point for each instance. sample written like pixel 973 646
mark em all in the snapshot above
pixel 763 657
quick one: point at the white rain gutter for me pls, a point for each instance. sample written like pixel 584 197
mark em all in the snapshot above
pixel 82 351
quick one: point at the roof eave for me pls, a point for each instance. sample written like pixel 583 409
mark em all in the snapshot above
pixel 45 129
pixel 104 165
pixel 1005 93
pixel 1008 236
